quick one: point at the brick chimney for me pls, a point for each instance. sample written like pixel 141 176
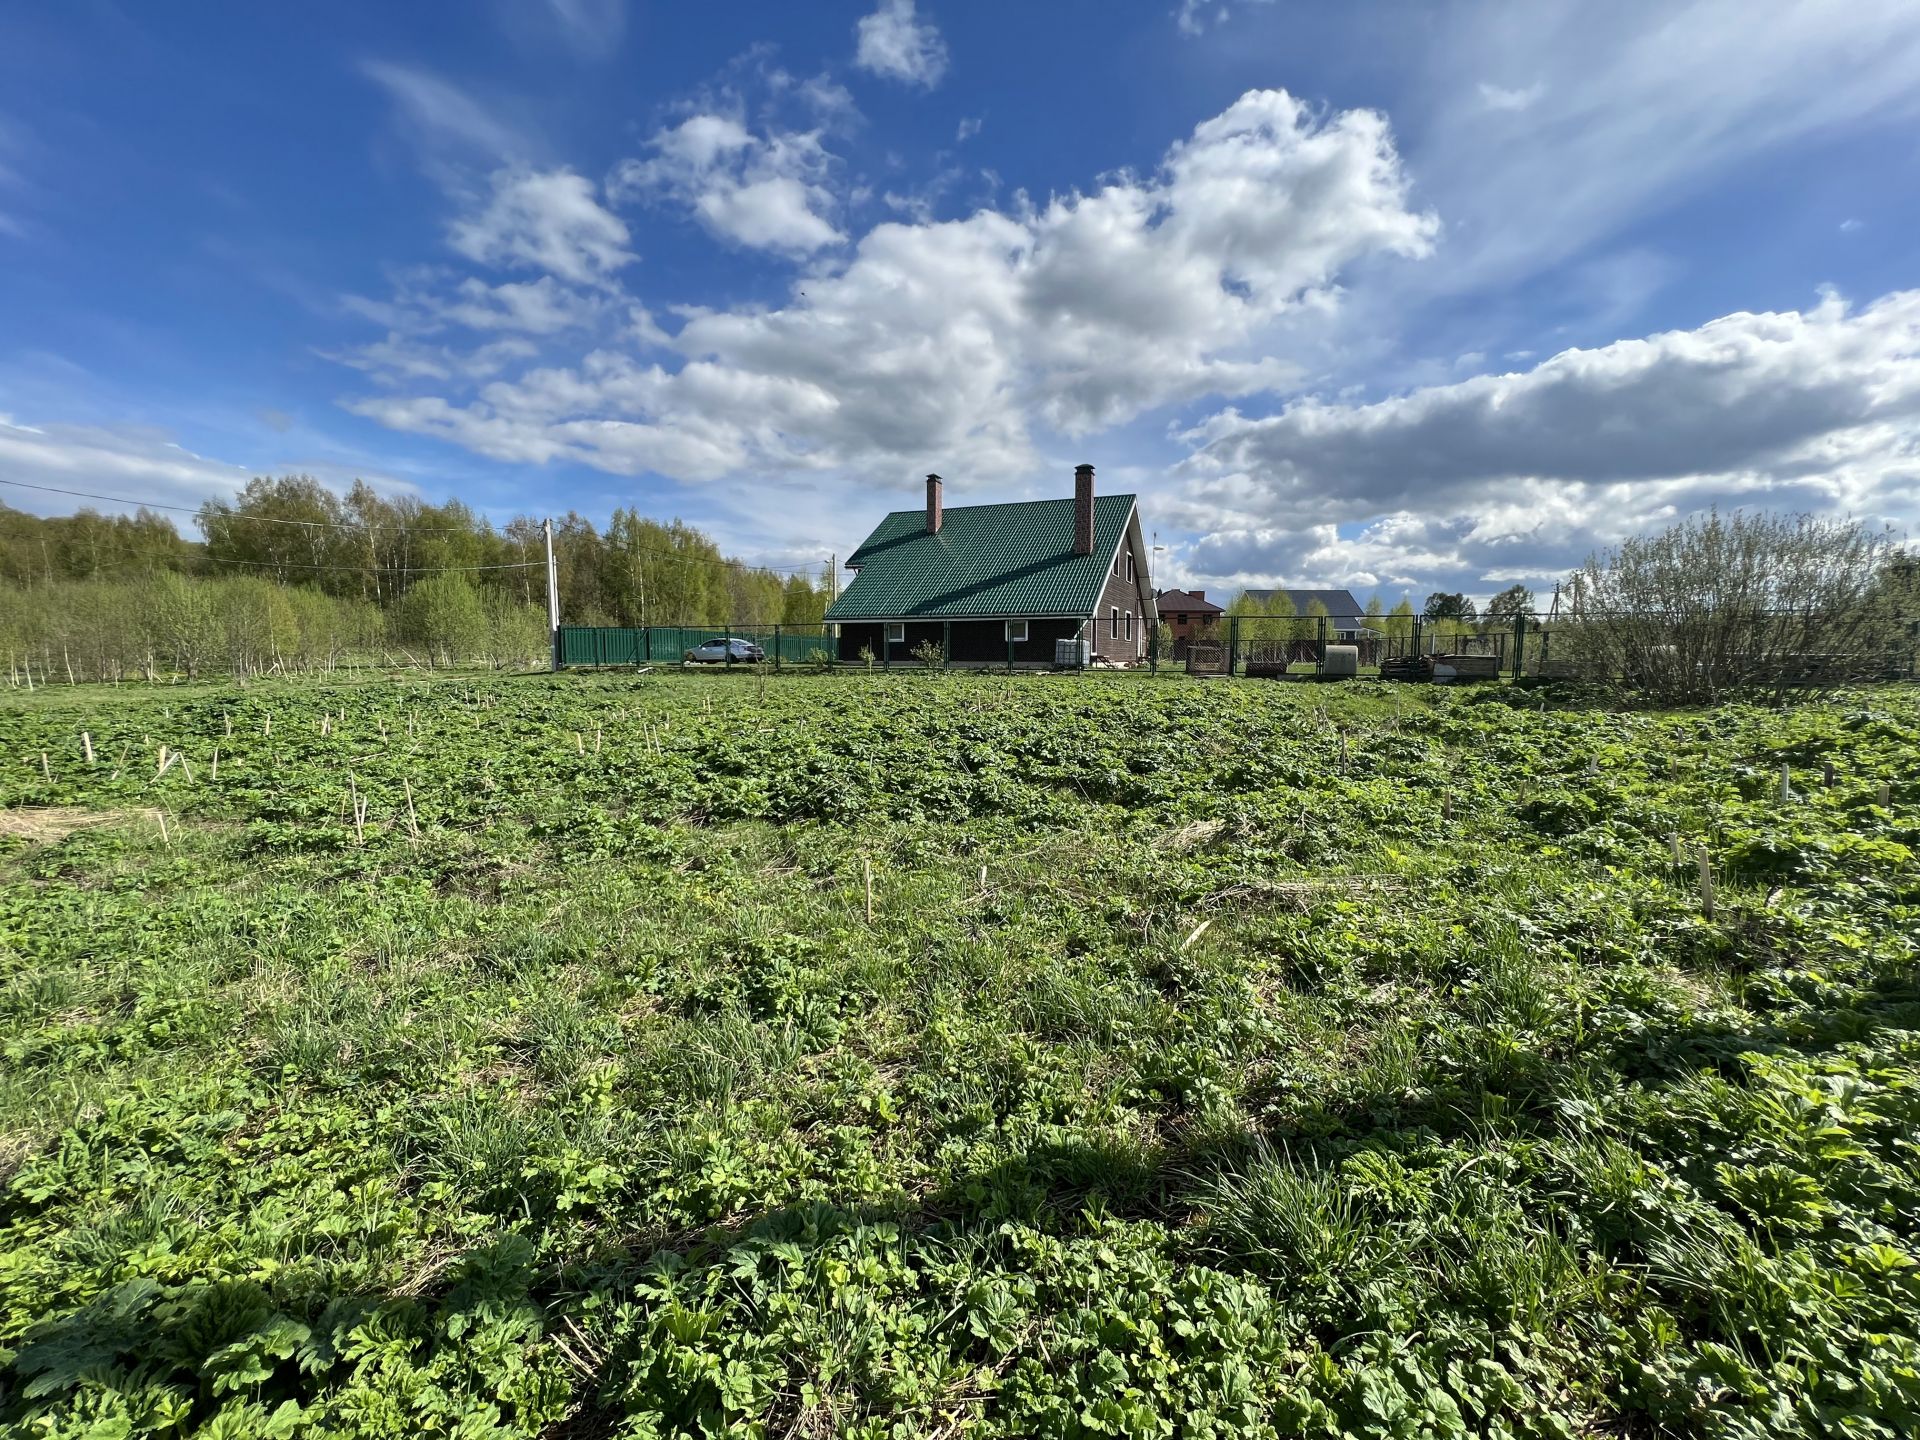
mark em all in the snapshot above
pixel 934 512
pixel 1201 596
pixel 1083 509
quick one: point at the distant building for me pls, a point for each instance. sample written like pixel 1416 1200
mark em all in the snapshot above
pixel 1001 581
pixel 1186 613
pixel 1346 616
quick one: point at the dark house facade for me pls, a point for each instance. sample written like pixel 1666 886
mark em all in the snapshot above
pixel 1000 584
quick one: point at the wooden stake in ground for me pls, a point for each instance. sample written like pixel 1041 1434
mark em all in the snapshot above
pixel 86 744
pixel 1706 884
pixel 213 774
pixel 359 811
pixel 1673 839
pixel 165 838
pixel 269 730
pixel 413 820
pixel 227 718
pixel 1786 786
pixel 1886 794
pixel 45 769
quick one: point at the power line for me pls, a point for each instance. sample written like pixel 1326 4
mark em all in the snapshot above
pixel 372 569
pixel 128 557
pixel 250 519
pixel 363 525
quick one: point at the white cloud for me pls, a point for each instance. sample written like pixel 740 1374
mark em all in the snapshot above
pixel 1522 473
pixel 108 460
pixel 1849 226
pixel 764 192
pixel 952 338
pixel 535 307
pixel 590 28
pixel 402 357
pixel 895 44
pixel 1499 97
pixel 439 115
pixel 547 220
pixel 1192 16
pixel 1632 103
pixel 969 127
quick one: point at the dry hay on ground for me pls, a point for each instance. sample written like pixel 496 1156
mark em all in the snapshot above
pixel 48 824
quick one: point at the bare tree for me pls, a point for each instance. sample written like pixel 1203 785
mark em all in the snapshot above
pixel 1757 602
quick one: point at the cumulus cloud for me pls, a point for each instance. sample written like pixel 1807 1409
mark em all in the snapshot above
pixel 1804 410
pixel 952 338
pixel 893 43
pixel 765 192
pixel 545 220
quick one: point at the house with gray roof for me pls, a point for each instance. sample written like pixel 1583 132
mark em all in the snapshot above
pixel 999 584
pixel 1346 616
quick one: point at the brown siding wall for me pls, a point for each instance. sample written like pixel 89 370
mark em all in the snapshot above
pixel 1122 594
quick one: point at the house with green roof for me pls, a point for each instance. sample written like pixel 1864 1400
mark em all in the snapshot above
pixel 1000 584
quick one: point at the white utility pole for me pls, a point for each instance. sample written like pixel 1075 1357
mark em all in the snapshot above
pixel 553 594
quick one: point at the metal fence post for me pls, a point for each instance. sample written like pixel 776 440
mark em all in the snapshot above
pixel 1320 643
pixel 1153 651
pixel 946 643
pixel 1233 646
pixel 1519 645
pixel 776 647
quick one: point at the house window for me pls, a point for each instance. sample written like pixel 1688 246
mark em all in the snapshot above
pixel 1016 632
pixel 1129 564
pixel 897 633
pixel 1113 623
pixel 1129 624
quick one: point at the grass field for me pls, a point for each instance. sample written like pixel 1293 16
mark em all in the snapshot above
pixel 928 1055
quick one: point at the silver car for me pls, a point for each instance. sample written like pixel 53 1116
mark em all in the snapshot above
pixel 731 648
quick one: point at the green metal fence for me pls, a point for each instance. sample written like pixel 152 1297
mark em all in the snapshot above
pixel 589 645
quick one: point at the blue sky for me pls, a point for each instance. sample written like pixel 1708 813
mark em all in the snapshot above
pixel 1394 297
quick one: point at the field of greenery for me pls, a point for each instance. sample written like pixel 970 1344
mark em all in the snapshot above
pixel 925 1054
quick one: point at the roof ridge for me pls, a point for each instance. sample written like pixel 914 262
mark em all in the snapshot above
pixel 1009 504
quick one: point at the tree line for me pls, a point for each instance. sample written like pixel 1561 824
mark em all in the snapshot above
pixel 289 574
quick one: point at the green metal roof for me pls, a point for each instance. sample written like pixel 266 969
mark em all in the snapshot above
pixel 986 560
